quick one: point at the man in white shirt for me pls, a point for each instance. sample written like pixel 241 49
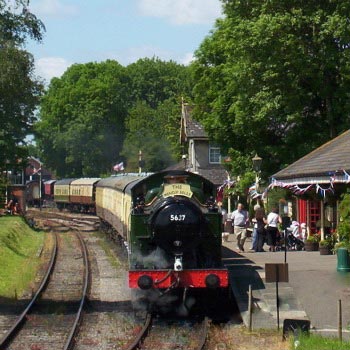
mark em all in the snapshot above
pixel 240 221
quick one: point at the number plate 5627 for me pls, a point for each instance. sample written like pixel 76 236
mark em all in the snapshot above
pixel 177 217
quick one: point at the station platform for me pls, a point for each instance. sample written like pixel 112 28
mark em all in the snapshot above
pixel 312 293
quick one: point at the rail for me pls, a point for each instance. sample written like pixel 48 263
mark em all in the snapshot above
pixel 142 334
pixel 204 333
pixel 17 324
pixel 71 338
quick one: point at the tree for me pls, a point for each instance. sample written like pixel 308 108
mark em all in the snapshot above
pixel 273 78
pixel 146 132
pixel 19 89
pixel 81 129
pixel 155 81
pixel 153 123
pixel 17 23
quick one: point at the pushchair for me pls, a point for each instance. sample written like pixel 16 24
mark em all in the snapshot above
pixel 293 240
pixel 294 243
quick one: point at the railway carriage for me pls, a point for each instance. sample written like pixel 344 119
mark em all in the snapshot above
pixel 62 193
pixel 82 194
pixel 49 189
pixel 113 204
pixel 170 226
pixel 33 193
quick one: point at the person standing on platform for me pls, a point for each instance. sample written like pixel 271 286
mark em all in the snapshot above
pixel 260 229
pixel 273 219
pixel 255 226
pixel 240 221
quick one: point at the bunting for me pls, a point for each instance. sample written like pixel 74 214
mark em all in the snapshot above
pixel 253 193
pixel 227 183
pixel 220 191
pixel 296 189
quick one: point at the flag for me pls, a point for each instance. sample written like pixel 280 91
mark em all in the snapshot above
pixel 35 171
pixel 252 188
pixel 119 167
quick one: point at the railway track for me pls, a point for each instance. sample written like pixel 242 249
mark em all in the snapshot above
pixel 51 319
pixel 137 342
pixel 160 334
pixel 109 320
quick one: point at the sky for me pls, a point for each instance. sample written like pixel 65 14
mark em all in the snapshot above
pixel 81 31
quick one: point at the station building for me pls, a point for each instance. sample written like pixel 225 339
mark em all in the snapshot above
pixel 317 182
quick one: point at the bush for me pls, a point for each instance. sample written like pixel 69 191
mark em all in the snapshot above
pixel 313 238
pixel 329 242
pixel 343 228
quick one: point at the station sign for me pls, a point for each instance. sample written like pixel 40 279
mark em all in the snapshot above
pixel 276 272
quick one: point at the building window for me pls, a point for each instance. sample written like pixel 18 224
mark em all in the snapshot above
pixel 214 155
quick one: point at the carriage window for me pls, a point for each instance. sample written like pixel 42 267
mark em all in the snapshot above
pixel 214 155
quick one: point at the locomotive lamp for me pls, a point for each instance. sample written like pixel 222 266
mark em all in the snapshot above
pixel 256 167
pixel 184 159
pixel 178 263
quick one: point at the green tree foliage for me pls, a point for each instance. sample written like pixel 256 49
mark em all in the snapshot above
pixel 19 90
pixel 17 23
pixel 82 127
pixel 156 89
pixel 147 131
pixel 155 81
pixel 343 228
pixel 273 78
pixel 82 119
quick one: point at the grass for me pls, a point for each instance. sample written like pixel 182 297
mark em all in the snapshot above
pixel 19 260
pixel 317 342
pixel 234 336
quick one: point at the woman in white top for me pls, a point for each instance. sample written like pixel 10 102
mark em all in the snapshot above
pixel 273 219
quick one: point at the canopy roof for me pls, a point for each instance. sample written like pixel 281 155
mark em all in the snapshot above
pixel 327 163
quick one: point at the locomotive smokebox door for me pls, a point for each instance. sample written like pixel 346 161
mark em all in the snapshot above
pixel 177 225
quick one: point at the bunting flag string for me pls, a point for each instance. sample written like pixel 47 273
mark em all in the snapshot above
pixel 227 183
pixel 253 193
pixel 321 190
pixel 220 191
pixel 347 176
pixel 297 190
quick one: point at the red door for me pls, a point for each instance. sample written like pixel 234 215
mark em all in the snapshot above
pixel 314 213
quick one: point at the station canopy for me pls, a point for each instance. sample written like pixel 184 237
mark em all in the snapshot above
pixel 321 169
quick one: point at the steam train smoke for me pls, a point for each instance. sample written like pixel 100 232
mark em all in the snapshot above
pixel 154 300
pixel 156 259
pixel 149 300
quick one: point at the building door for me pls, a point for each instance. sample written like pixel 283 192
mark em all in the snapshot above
pixel 302 211
pixel 314 215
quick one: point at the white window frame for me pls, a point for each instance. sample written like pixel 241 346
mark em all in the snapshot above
pixel 211 155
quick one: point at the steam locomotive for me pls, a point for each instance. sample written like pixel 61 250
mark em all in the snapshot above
pixel 171 227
